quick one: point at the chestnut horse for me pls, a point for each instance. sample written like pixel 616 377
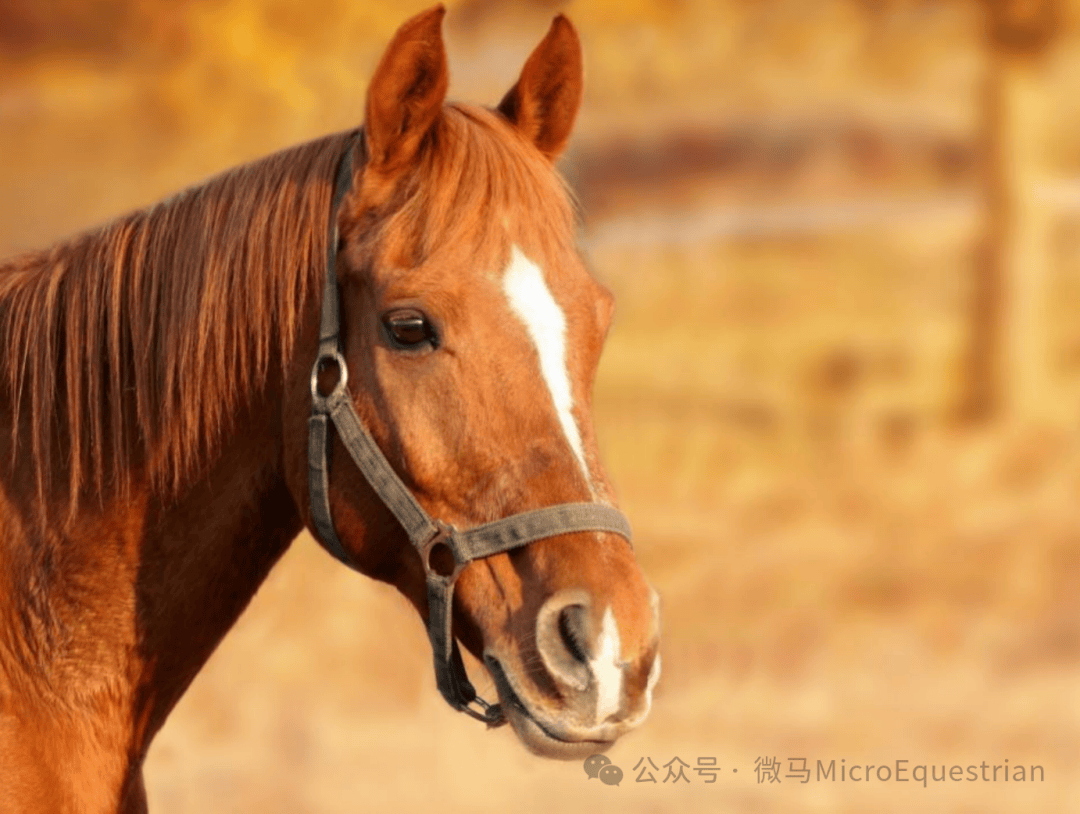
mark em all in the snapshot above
pixel 157 379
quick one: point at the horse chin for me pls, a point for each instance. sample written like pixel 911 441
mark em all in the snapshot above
pixel 540 742
pixel 536 737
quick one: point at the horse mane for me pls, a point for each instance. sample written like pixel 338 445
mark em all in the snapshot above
pixel 135 343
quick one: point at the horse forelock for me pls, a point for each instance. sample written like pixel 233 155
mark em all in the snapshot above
pixel 133 345
pixel 478 187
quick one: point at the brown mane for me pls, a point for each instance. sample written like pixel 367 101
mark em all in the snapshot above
pixel 133 344
pixel 189 304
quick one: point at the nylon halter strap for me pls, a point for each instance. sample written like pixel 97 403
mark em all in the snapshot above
pixel 424 532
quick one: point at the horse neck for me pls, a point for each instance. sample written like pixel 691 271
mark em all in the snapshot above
pixel 110 618
pixel 205 554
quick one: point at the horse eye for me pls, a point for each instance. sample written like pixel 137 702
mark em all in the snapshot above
pixel 409 328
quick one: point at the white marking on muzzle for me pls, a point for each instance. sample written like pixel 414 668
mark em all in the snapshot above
pixel 654 676
pixel 643 713
pixel 531 299
pixel 607 669
pixel 654 671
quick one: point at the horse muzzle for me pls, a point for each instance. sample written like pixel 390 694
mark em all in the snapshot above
pixel 585 697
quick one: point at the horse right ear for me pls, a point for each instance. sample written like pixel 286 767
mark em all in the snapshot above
pixel 407 92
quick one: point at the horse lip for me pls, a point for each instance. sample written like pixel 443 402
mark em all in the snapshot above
pixel 515 707
pixel 508 697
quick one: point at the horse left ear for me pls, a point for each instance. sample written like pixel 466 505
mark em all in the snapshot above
pixel 407 91
pixel 545 101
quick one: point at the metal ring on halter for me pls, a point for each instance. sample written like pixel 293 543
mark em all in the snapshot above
pixel 444 537
pixel 320 402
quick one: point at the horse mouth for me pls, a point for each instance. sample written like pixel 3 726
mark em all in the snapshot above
pixel 538 737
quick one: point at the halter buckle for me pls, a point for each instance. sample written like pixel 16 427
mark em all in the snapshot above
pixel 490 714
pixel 321 403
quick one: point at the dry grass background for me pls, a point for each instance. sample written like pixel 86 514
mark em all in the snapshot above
pixel 846 572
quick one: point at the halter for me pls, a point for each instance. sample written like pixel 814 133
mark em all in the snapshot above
pixel 425 533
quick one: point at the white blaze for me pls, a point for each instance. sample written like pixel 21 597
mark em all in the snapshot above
pixel 531 300
pixel 606 669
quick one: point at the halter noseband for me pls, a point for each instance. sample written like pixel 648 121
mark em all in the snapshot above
pixel 425 533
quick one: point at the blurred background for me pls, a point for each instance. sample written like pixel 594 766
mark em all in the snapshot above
pixel 841 399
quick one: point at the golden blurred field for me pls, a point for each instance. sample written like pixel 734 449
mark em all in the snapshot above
pixel 784 197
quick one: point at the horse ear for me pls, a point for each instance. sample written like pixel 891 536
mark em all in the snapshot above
pixel 407 92
pixel 545 101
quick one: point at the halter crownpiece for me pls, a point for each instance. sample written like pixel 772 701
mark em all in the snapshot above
pixel 425 533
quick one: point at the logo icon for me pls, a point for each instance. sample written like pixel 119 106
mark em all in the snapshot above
pixel 594 764
pixel 611 775
pixel 602 767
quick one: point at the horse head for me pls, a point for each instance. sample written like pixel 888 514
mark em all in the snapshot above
pixel 472 330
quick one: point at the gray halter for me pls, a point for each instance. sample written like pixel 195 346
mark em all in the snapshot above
pixel 425 533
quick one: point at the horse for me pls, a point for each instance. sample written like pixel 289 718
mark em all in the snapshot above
pixel 385 336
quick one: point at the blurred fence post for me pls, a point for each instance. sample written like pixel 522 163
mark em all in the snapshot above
pixel 1008 360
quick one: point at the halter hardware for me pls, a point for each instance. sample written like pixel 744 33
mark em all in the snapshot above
pixel 443 537
pixel 424 532
pixel 322 403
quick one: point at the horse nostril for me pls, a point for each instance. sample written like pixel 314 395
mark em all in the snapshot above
pixel 564 639
pixel 573 620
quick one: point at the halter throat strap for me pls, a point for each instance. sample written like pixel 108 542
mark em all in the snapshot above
pixel 425 533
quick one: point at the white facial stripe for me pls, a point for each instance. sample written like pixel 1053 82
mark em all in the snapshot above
pixel 531 300
pixel 606 669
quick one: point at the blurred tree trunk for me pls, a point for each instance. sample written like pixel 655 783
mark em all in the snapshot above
pixel 1007 371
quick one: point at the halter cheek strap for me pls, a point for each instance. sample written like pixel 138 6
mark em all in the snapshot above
pixel 425 533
